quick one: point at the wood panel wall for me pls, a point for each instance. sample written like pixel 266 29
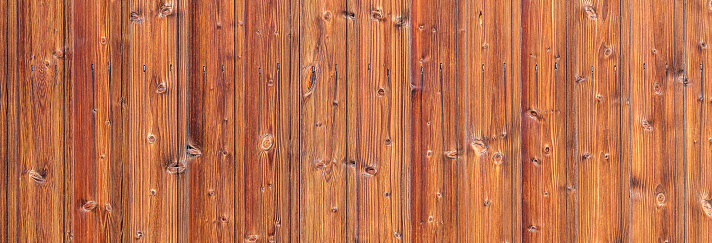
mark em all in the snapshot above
pixel 355 120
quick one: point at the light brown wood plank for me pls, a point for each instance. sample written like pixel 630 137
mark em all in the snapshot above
pixel 37 92
pixel 435 153
pixel 698 197
pixel 270 132
pixel 652 120
pixel 152 99
pixel 489 131
pixel 323 121
pixel 543 113
pixel 593 58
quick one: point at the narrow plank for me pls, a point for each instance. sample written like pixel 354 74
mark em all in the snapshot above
pixel 543 112
pixel 678 72
pixel 379 98
pixel 435 118
pixel 323 121
pixel 651 120
pixel 240 119
pixel 352 218
pixel 698 196
pixel 597 165
pixel 37 121
pixel 97 164
pixel 4 95
pixel 489 182
pixel 269 117
pixel 209 184
pixel 152 98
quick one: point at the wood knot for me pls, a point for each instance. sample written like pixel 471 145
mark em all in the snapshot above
pixel 381 92
pixel 706 207
pixel 223 219
pixel 533 114
pixel 532 228
pixel 647 125
pixel 388 142
pixel 88 206
pixel 134 17
pixel 579 79
pixel 253 238
pixel 546 150
pixel 334 210
pixel 36 177
pixel 327 16
pixel 586 156
pixel 108 207
pixel 165 10
pixel 479 146
pixel 138 235
pixel 267 142
pixel 377 14
pixel 486 203
pixel 397 235
pixel 497 158
pixel 193 151
pixel 161 88
pixel 591 12
pixel 151 138
pixel 451 154
pixel 370 171
pixel 348 15
pixel 657 88
pixel 175 168
pixel 536 162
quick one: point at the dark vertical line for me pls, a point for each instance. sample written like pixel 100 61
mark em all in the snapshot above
pixel 299 98
pixel 64 120
pixel 346 168
pixel 566 120
pixel 458 141
pixel 178 155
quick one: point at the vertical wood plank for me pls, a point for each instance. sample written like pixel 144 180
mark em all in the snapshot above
pixel 598 187
pixel 652 120
pixel 489 124
pixel 37 121
pixel 543 112
pixel 97 165
pixel 435 119
pixel 270 134
pixel 4 75
pixel 209 184
pixel 152 98
pixel 379 95
pixel 240 82
pixel 698 197
pixel 323 121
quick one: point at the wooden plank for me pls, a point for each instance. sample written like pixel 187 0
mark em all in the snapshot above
pixel 240 82
pixel 489 139
pixel 37 121
pixel 652 120
pixel 270 132
pixel 96 185
pixel 209 183
pixel 698 196
pixel 379 97
pixel 152 100
pixel 4 119
pixel 323 121
pixel 543 112
pixel 435 144
pixel 597 185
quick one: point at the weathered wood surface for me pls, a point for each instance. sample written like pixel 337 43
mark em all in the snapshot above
pixel 355 120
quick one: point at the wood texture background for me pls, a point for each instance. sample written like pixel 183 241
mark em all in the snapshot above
pixel 355 120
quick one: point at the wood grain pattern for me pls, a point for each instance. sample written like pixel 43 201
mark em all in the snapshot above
pixel 596 163
pixel 698 196
pixel 210 185
pixel 96 206
pixel 355 120
pixel 652 118
pixel 323 106
pixel 544 121
pixel 152 100
pixel 36 121
pixel 270 132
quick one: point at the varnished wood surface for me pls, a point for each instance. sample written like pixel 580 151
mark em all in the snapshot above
pixel 355 120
